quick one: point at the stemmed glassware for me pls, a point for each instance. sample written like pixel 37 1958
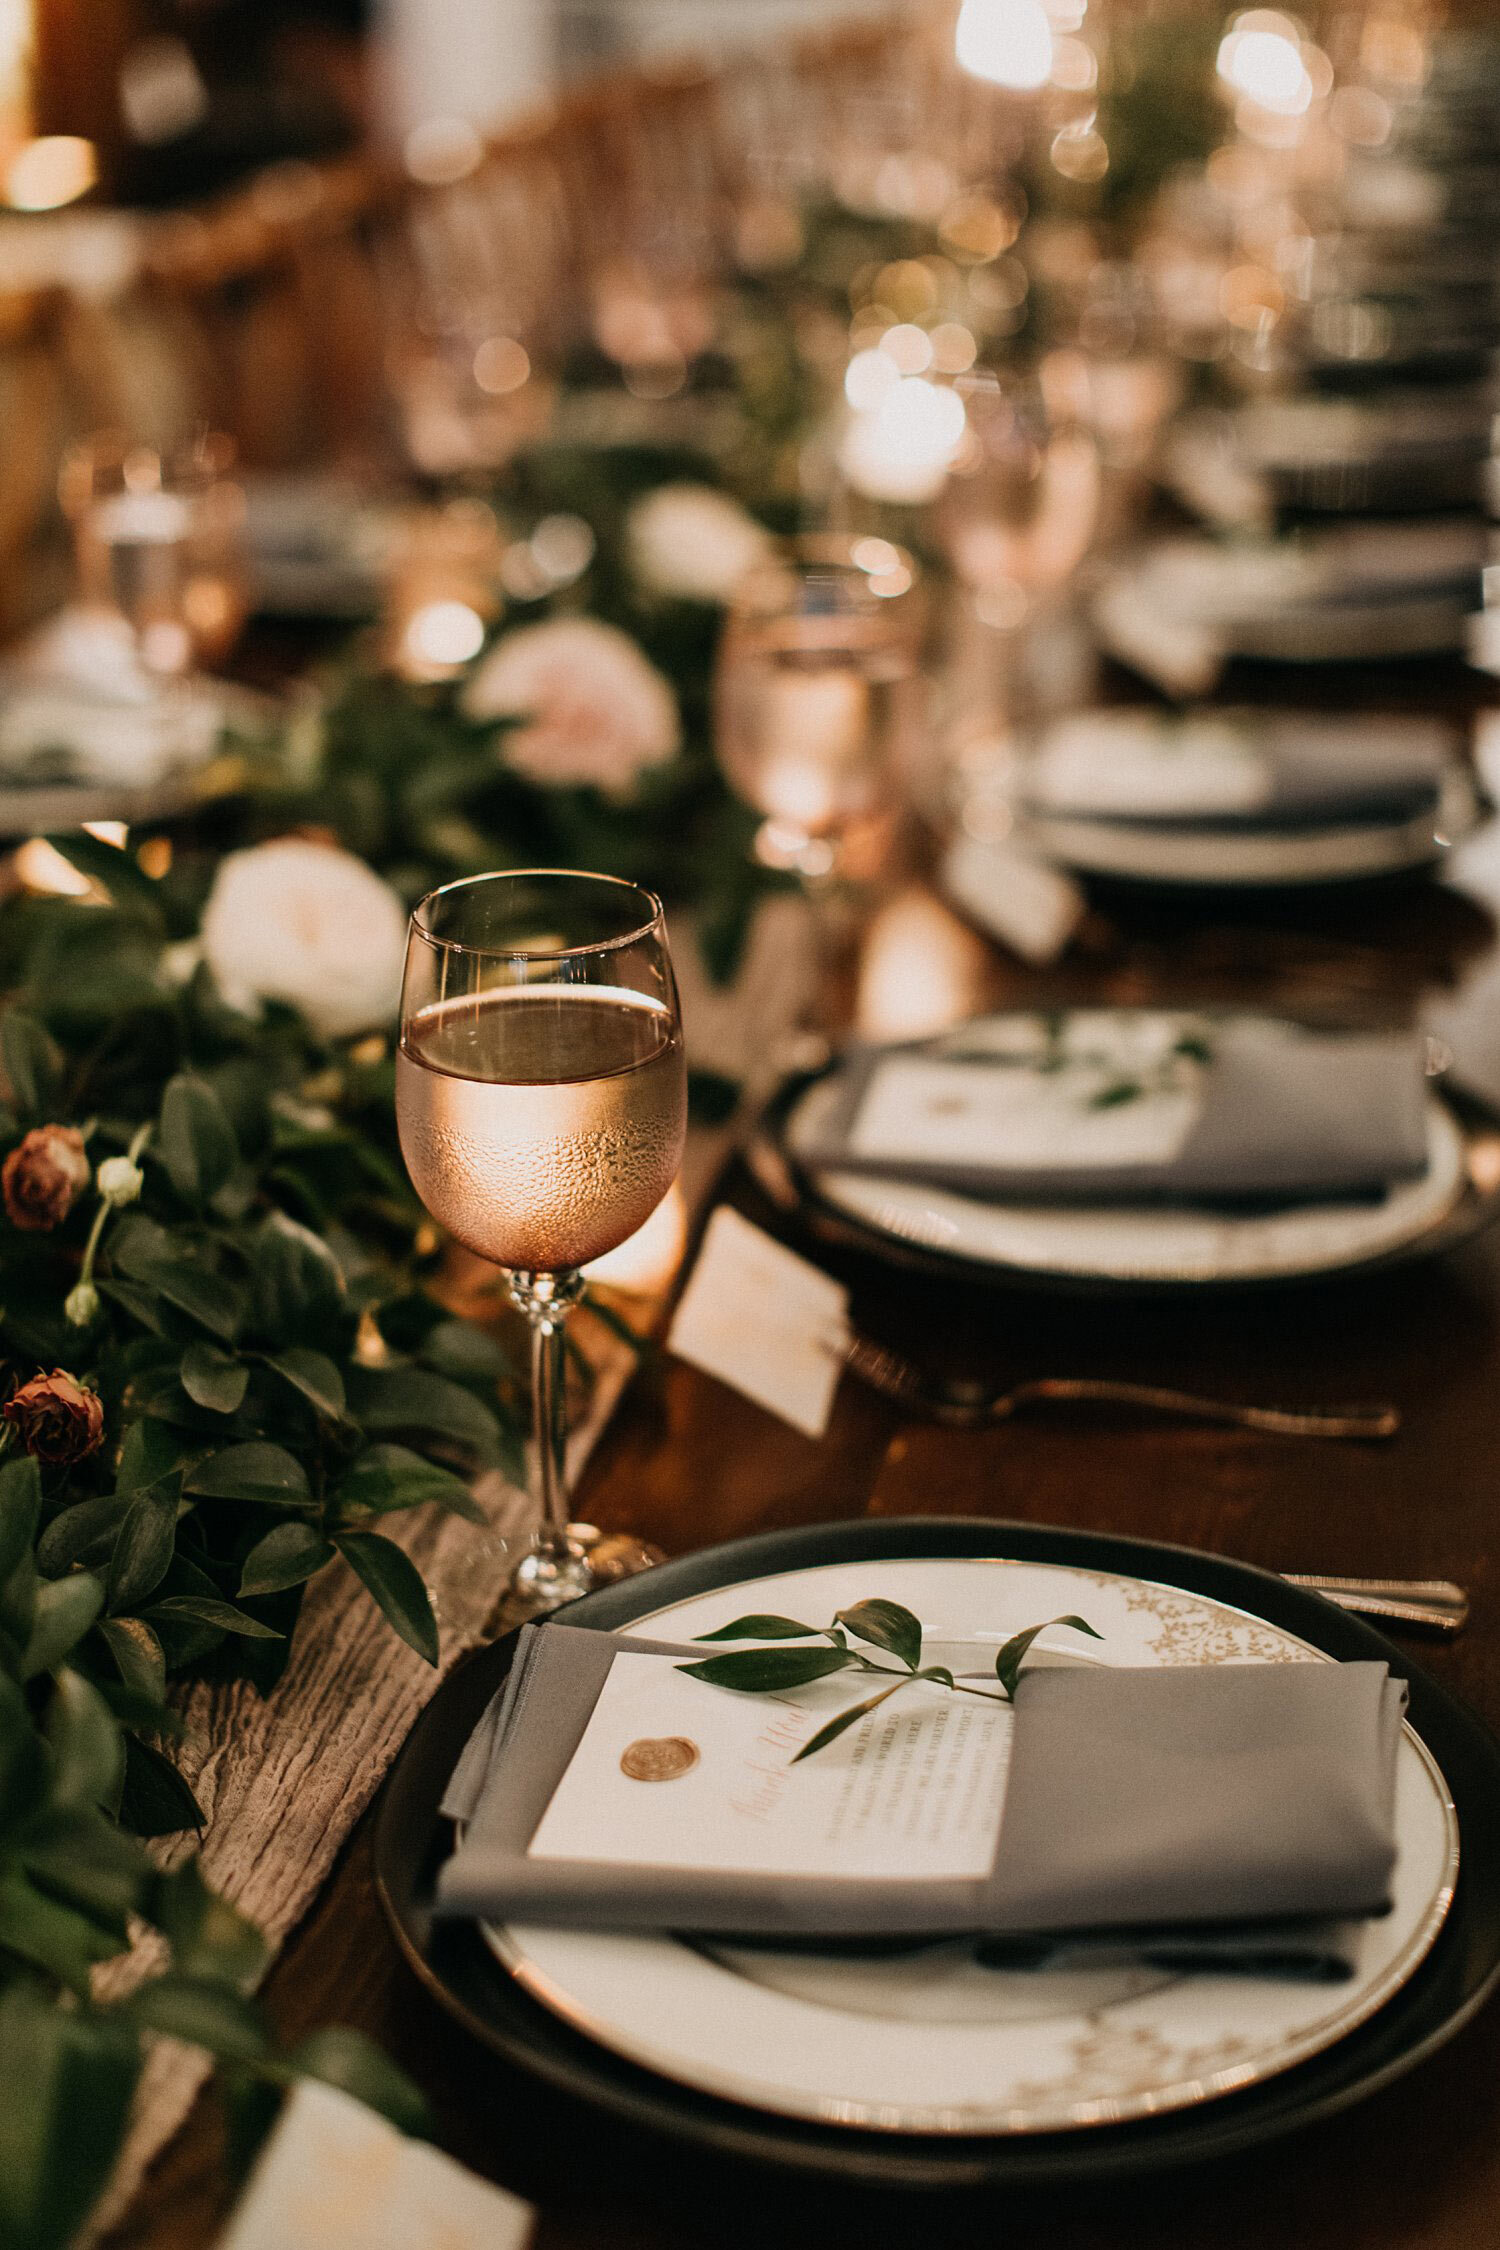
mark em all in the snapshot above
pixel 816 712
pixel 541 1098
pixel 1016 520
pixel 159 542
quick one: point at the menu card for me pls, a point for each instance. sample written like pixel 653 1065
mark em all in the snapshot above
pixel 925 1109
pixel 674 1773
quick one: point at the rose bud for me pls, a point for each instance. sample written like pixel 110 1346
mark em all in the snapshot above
pixel 43 1178
pixel 56 1417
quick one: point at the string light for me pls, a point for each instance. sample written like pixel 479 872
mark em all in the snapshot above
pixel 440 637
pixel 903 447
pixel 1260 56
pixel 1009 42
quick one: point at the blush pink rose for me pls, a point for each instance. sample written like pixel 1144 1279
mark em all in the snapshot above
pixel 593 712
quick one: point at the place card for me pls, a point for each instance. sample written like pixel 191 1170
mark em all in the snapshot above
pixel 764 1321
pixel 334 2176
pixel 674 1773
pixel 1015 895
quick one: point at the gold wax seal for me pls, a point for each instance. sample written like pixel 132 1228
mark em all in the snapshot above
pixel 659 1757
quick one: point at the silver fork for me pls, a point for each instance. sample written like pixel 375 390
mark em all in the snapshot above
pixel 969 1405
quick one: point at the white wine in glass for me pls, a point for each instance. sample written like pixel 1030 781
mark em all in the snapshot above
pixel 541 1101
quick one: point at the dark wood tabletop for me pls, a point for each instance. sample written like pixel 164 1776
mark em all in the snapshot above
pixel 687 1462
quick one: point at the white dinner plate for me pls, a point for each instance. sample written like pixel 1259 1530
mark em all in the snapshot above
pixel 930 2042
pixel 1145 852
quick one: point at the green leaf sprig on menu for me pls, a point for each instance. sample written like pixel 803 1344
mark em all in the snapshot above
pixel 879 1624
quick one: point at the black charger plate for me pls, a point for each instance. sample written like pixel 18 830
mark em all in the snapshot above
pixel 458 1970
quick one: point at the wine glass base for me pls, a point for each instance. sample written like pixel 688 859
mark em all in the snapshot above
pixel 546 1578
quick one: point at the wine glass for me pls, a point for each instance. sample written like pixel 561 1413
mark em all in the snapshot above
pixel 541 1098
pixel 159 543
pixel 1016 521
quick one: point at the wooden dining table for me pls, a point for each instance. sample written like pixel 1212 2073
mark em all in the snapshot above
pixel 687 1461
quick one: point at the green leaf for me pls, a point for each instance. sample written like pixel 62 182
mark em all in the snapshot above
pixel 148 1454
pixel 886 1625
pixel 211 1940
pixel 138 1656
pixel 414 1399
pixel 144 1548
pixel 51 1935
pixel 386 1477
pixel 213 1379
pixel 1011 1657
pixel 203 2013
pixel 58 2143
pixel 1117 1094
pixel 264 1473
pixel 65 1609
pixel 84 1533
pixel 88 1750
pixel 156 1801
pixel 195 1139
pixel 148 1253
pixel 142 1305
pixel 761 1671
pixel 76 1854
pixel 296 1286
pixel 288 1554
pixel 202 1611
pixel 31 1062
pixel 314 1376
pixel 20 1502
pixel 342 2057
pixel 396 1585
pixel 761 1627
pixel 836 1726
pixel 113 869
pixel 24 1772
pixel 466 1352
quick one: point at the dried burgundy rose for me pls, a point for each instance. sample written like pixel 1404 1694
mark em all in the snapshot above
pixel 56 1417
pixel 43 1177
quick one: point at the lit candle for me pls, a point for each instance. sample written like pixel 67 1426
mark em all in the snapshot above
pixel 443 592
pixel 817 734
pixel 921 970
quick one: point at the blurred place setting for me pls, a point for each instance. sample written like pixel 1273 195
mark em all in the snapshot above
pixel 749 935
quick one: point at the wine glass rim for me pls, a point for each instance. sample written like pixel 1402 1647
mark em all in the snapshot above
pixel 652 923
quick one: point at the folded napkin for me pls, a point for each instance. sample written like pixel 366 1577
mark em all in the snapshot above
pixel 1126 1106
pixel 1236 771
pixel 1224 1810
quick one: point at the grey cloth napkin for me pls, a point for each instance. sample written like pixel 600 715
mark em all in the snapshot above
pixel 1225 1812
pixel 1285 1112
pixel 1317 777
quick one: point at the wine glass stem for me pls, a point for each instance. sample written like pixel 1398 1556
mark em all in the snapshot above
pixel 546 1299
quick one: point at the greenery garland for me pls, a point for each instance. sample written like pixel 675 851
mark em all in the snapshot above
pixel 208 1402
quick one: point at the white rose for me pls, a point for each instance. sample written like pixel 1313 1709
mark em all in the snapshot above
pixel 311 925
pixel 689 540
pixel 594 711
